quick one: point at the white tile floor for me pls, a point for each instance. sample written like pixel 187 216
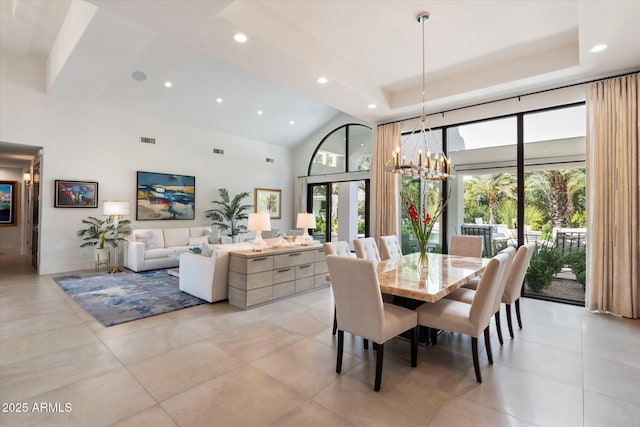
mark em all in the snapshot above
pixel 275 365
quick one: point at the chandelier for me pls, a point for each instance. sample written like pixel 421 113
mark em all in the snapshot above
pixel 424 164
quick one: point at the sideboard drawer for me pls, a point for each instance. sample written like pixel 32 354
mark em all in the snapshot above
pixel 255 265
pixel 258 296
pixel 321 267
pixel 285 274
pixel 296 258
pixel 320 255
pixel 305 284
pixel 284 289
pixel 305 270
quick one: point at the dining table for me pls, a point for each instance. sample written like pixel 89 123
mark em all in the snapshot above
pixel 403 277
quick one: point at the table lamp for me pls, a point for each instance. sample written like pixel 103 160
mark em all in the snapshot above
pixel 116 209
pixel 259 222
pixel 306 221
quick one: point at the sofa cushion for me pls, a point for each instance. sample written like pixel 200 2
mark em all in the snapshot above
pixel 159 253
pixel 197 241
pixel 176 237
pixel 152 238
pixel 199 231
pixel 214 236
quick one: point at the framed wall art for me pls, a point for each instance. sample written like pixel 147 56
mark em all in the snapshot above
pixel 76 194
pixel 8 203
pixel 268 200
pixel 163 196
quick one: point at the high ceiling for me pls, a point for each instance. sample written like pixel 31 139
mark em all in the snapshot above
pixel 370 52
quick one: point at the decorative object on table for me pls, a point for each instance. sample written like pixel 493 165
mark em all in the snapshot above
pixel 165 196
pixel 115 210
pixel 229 213
pixel 421 163
pixel 195 250
pixel 115 299
pixel 306 221
pixel 101 233
pixel 289 239
pixel 422 218
pixel 259 222
pixel 268 200
pixel 8 203
pixel 76 194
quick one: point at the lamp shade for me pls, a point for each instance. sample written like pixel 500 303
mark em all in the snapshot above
pixel 259 222
pixel 115 208
pixel 306 220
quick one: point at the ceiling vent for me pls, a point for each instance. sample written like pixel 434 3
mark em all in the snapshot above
pixel 270 160
pixel 218 151
pixel 146 140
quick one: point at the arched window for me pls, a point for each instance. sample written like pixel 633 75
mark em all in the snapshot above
pixel 345 149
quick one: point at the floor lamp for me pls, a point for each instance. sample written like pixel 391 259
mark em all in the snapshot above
pixel 116 209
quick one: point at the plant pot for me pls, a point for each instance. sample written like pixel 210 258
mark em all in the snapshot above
pixel 102 255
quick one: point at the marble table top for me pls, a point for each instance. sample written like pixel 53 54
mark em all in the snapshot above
pixel 445 274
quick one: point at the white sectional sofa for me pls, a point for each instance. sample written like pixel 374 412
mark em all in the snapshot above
pixel 154 248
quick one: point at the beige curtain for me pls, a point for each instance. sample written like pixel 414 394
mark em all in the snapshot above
pixel 613 196
pixel 384 203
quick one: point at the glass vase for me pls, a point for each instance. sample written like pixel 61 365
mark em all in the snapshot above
pixel 423 259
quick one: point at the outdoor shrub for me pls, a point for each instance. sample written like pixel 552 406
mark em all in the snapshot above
pixel 545 263
pixel 577 260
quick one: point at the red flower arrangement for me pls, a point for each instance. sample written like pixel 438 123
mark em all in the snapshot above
pixel 422 221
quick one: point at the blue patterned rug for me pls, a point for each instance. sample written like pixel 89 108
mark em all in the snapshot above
pixel 118 298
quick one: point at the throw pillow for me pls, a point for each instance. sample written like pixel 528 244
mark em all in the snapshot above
pixel 214 236
pixel 206 250
pixel 146 239
pixel 196 241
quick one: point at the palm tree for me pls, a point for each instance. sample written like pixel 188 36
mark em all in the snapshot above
pixel 229 213
pixel 559 186
pixel 493 188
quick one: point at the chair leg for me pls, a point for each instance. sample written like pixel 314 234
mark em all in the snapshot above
pixel 434 336
pixel 340 347
pixel 414 346
pixel 476 363
pixel 499 327
pixel 335 321
pixel 509 320
pixel 518 313
pixel 366 344
pixel 487 345
pixel 379 358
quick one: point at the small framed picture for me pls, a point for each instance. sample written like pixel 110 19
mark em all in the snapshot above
pixel 268 200
pixel 8 203
pixel 76 194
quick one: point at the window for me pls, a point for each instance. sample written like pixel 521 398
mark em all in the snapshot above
pixel 346 149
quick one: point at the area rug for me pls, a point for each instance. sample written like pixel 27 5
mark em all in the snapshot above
pixel 118 298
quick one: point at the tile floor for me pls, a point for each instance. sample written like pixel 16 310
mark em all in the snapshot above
pixel 275 366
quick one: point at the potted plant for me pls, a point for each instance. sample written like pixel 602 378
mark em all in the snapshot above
pixel 100 233
pixel 229 212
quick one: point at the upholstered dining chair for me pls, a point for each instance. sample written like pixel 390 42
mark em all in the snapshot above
pixel 515 280
pixel 466 246
pixel 390 247
pixel 467 295
pixel 340 248
pixel 367 248
pixel 469 319
pixel 362 312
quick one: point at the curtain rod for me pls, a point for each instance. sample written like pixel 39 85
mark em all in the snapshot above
pixel 512 97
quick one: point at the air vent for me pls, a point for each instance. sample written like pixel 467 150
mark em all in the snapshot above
pixel 146 140
pixel 218 151
pixel 270 160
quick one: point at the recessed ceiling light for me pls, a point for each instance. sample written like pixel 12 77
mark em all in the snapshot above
pixel 322 80
pixel 219 100
pixel 240 37
pixel 361 145
pixel 259 112
pixel 292 122
pixel 168 84
pixel 598 48
pixel 372 106
pixel 139 76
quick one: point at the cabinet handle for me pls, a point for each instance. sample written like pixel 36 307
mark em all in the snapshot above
pixel 295 254
pixel 305 266
pixel 260 259
pixel 284 270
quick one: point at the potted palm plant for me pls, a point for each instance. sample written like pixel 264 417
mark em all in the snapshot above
pixel 100 233
pixel 229 212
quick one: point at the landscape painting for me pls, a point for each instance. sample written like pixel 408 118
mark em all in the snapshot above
pixel 76 194
pixel 8 203
pixel 165 196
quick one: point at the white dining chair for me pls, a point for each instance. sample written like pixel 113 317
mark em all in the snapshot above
pixel 367 248
pixel 467 295
pixel 469 319
pixel 390 247
pixel 470 246
pixel 362 312
pixel 340 248
pixel 515 281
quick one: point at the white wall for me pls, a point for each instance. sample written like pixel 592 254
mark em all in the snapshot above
pixel 10 236
pixel 85 142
